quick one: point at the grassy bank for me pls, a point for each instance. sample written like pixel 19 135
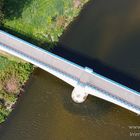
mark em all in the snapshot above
pixel 42 20
pixel 13 75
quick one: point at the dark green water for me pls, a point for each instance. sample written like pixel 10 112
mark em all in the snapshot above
pixel 107 30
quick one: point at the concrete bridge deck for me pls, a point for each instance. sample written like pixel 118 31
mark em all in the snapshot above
pixel 84 80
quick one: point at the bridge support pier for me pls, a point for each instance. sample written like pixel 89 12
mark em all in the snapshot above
pixel 78 94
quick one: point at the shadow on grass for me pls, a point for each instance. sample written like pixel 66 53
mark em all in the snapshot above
pixel 15 8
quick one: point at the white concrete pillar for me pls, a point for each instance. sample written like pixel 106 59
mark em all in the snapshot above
pixel 79 93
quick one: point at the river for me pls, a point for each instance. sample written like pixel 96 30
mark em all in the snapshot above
pixel 104 37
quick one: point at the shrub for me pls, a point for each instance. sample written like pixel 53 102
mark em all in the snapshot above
pixel 3 113
pixel 12 85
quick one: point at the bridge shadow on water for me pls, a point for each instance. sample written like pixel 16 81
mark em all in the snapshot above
pixel 97 66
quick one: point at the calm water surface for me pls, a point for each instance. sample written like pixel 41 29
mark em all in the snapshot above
pixel 46 112
pixel 106 30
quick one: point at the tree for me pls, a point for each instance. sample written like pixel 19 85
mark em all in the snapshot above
pixel 1 12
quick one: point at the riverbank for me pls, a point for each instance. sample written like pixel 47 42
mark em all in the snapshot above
pixel 39 20
pixel 13 75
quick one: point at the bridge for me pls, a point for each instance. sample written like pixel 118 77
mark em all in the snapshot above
pixel 84 80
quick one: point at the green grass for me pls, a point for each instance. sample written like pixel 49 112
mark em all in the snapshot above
pixel 44 20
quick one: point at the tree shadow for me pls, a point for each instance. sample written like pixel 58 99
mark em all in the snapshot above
pixel 15 8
